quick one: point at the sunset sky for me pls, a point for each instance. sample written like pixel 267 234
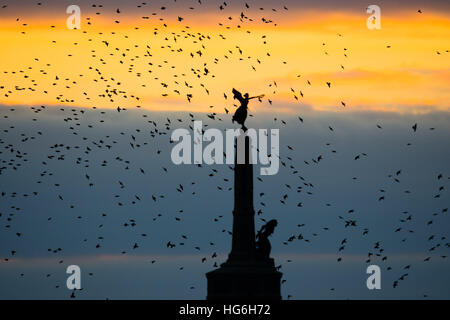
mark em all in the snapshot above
pixel 320 45
pixel 75 173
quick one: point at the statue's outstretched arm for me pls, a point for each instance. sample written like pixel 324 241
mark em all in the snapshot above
pixel 260 96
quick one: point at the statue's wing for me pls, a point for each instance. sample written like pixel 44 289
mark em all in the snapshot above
pixel 237 95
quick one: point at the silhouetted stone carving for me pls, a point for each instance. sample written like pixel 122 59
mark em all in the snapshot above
pixel 241 112
pixel 263 244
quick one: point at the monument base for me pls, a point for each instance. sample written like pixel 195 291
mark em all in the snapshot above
pixel 247 280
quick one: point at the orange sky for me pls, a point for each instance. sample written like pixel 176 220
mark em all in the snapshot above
pixel 408 77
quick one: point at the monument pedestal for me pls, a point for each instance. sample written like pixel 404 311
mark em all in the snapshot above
pixel 246 274
pixel 248 280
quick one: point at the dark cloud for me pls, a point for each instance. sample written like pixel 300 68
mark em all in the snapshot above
pixel 30 7
pixel 332 179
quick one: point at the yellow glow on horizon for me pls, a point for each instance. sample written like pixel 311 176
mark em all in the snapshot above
pixel 407 77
